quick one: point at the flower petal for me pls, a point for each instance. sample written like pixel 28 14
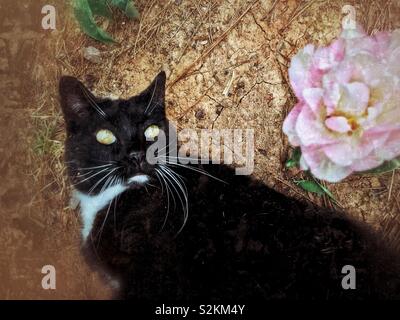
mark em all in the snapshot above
pixel 348 118
pixel 322 167
pixel 354 98
pixel 367 163
pixel 299 70
pixel 313 98
pixel 370 141
pixel 339 153
pixel 349 33
pixel 322 59
pixel 311 129
pixel 338 124
pixel 289 125
pixel 391 148
pixel 326 58
pixel 394 59
pixel 331 97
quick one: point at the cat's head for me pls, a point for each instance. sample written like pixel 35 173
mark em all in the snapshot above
pixel 107 139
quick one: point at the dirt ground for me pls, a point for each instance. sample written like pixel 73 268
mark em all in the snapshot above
pixel 226 63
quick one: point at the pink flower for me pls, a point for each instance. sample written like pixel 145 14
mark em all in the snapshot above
pixel 347 118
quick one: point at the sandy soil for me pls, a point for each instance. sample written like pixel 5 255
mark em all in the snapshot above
pixel 206 47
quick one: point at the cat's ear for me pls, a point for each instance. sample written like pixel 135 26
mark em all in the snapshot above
pixel 154 94
pixel 75 99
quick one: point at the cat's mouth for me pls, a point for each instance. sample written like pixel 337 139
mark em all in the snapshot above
pixel 138 180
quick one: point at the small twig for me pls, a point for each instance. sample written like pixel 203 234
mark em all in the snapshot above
pixel 391 185
pixel 229 84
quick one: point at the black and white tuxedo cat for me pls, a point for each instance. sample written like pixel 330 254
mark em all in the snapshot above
pixel 174 233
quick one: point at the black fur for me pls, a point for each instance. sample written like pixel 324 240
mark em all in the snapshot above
pixel 242 240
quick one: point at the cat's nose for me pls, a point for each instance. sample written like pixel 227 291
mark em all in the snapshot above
pixel 136 156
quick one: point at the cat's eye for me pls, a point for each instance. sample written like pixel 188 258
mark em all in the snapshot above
pixel 105 136
pixel 152 132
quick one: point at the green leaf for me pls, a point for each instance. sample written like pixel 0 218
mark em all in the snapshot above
pixel 84 15
pixel 294 160
pixel 388 166
pixel 127 7
pixel 315 187
pixel 100 8
pixel 310 186
pixel 327 191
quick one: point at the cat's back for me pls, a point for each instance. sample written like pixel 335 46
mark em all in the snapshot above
pixel 238 239
pixel 282 246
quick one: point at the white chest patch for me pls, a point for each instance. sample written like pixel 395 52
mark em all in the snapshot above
pixel 140 179
pixel 91 205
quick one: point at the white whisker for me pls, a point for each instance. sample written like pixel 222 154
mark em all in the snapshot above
pixel 97 167
pixel 152 96
pixel 100 232
pixel 194 169
pixel 93 175
pixel 158 172
pixel 105 176
pixel 93 102
pixel 185 206
pixel 179 158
